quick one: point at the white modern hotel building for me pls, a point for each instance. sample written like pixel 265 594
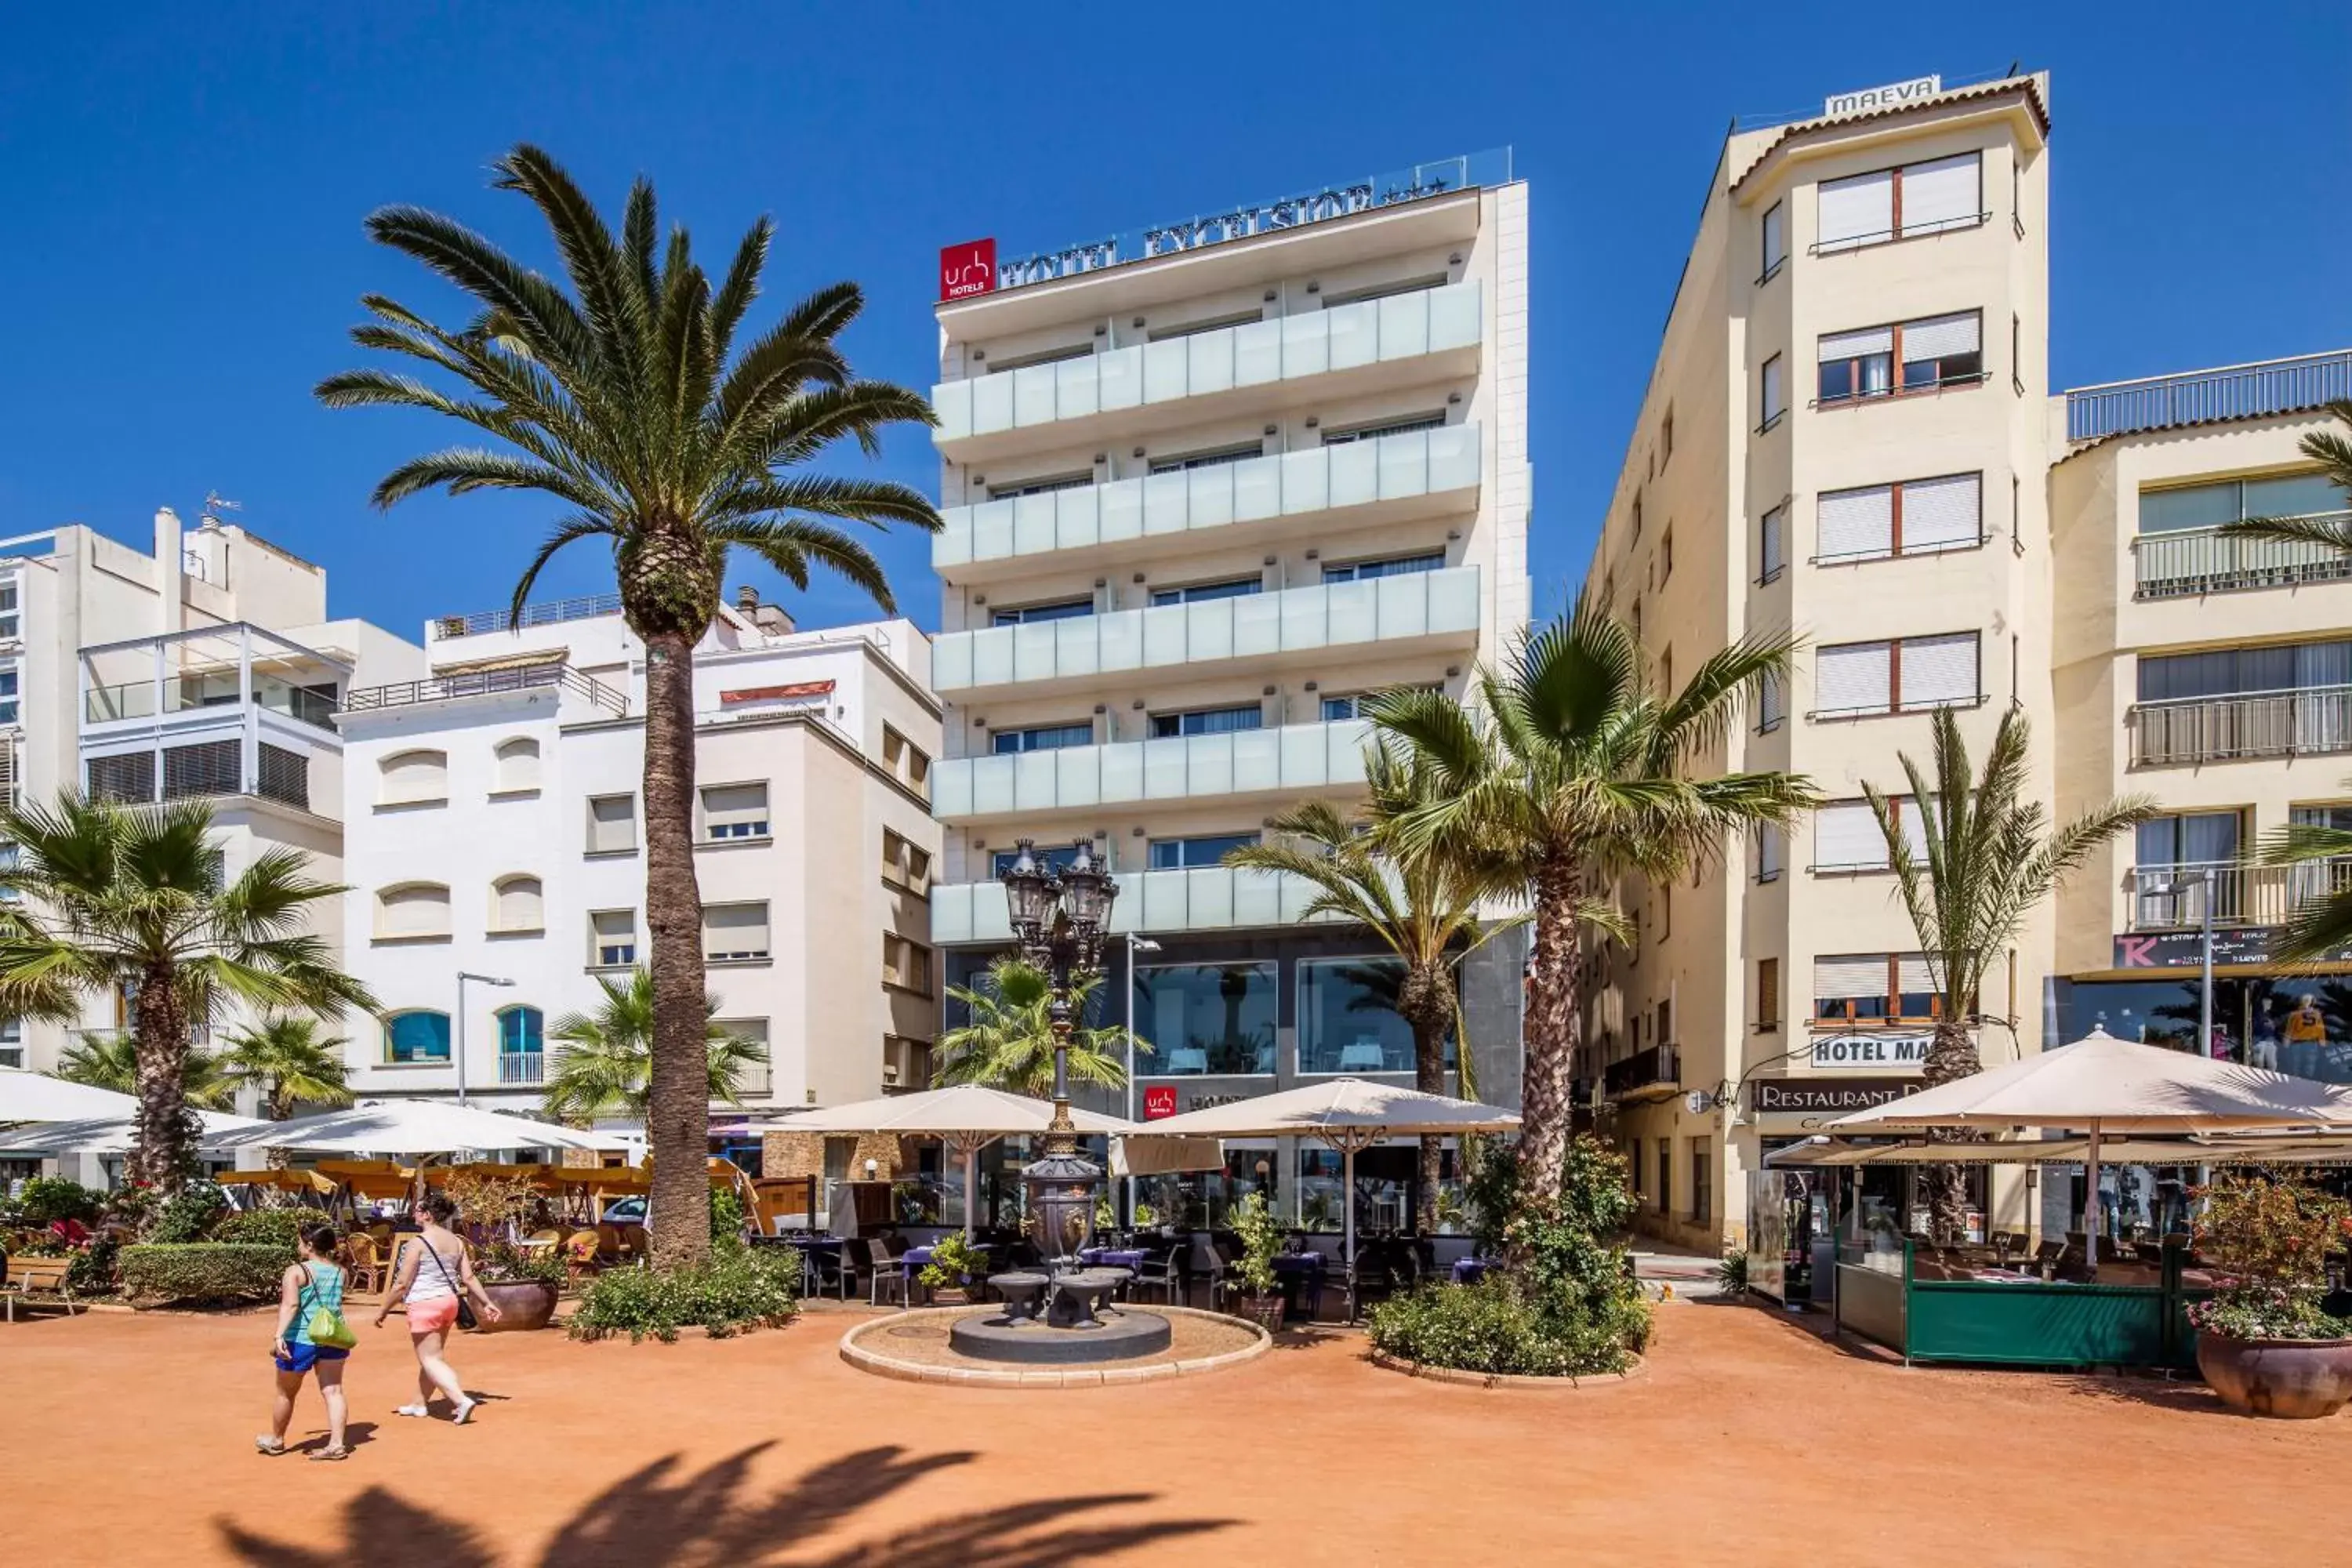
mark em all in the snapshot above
pixel 1205 487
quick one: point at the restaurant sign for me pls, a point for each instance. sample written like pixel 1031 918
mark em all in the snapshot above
pixel 1807 1104
pixel 1856 1050
pixel 2186 949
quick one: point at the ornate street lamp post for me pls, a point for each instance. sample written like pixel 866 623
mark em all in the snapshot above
pixel 1058 918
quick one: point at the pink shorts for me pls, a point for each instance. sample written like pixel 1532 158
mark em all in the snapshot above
pixel 434 1316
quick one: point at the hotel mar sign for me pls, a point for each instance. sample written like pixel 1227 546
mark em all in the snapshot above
pixel 1895 95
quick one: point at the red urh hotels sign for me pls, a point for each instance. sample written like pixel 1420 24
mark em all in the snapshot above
pixel 1160 1102
pixel 966 269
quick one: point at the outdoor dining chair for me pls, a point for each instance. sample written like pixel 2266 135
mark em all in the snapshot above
pixel 887 1273
pixel 367 1264
pixel 1208 1268
pixel 1159 1271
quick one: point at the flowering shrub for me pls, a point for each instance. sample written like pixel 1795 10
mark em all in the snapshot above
pixel 2269 1241
pixel 739 1289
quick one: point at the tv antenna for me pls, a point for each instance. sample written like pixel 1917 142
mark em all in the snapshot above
pixel 215 503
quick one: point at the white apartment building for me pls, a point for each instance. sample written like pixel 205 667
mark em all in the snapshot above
pixel 1205 486
pixel 494 847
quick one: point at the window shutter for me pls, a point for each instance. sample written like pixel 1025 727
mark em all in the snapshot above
pixel 1940 514
pixel 1857 524
pixel 612 824
pixel 416 775
pixel 517 762
pixel 1937 671
pixel 1776 236
pixel 612 927
pixel 521 905
pixel 1854 678
pixel 1768 990
pixel 1846 838
pixel 736 811
pixel 1858 210
pixel 735 930
pixel 1912 973
pixel 1941 194
pixel 1913 821
pixel 1776 389
pixel 1771 702
pixel 1775 548
pixel 1856 345
pixel 1850 975
pixel 1939 337
pixel 1769 853
pixel 419 910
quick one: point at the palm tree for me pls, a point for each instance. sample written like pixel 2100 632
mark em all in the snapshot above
pixel 285 1060
pixel 628 402
pixel 2321 922
pixel 1422 906
pixel 137 901
pixel 605 1067
pixel 1007 1039
pixel 2332 449
pixel 110 1060
pixel 1985 856
pixel 1567 770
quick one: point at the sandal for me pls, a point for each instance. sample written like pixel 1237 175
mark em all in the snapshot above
pixel 328 1454
pixel 419 1411
pixel 273 1447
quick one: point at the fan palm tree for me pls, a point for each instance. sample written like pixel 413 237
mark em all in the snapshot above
pixel 1422 906
pixel 605 1065
pixel 137 901
pixel 628 402
pixel 2320 920
pixel 1007 1039
pixel 110 1060
pixel 284 1058
pixel 1984 859
pixel 2332 450
pixel 1567 769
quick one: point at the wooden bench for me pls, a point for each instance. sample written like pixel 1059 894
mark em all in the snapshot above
pixel 30 1275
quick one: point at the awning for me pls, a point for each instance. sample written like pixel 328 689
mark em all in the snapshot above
pixel 1141 1156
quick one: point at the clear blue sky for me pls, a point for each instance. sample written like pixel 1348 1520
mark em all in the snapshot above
pixel 189 184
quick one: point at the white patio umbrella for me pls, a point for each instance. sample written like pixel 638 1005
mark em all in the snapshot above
pixel 964 1117
pixel 1347 1114
pixel 2101 1084
pixel 390 1127
pixel 37 1097
pixel 101 1134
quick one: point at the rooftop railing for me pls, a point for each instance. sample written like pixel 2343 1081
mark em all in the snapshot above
pixel 468 683
pixel 2250 390
pixel 552 613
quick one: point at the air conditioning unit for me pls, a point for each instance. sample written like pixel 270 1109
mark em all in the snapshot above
pixel 906 1064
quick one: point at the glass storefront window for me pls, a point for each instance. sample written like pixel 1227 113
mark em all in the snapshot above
pixel 1348 1020
pixel 1207 1017
pixel 1199 1200
pixel 2295 1023
pixel 1385 1180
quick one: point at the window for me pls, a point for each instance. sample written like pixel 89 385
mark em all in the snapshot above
pixel 1214 324
pixel 1201 592
pixel 1847 838
pixel 1916 517
pixel 2181 862
pixel 1192 854
pixel 1666 913
pixel 1392 566
pixel 2240 671
pixel 1667 554
pixel 1772 393
pixel 1933 352
pixel 908 763
pixel 1666 439
pixel 1768 994
pixel 414 778
pixel 1776 241
pixel 1348 1021
pixel 1383 290
pixel 1217 459
pixel 612 824
pixel 1029 615
pixel 611 939
pixel 1666 1193
pixel 2195 838
pixel 1873 987
pixel 1771 850
pixel 1702 1192
pixel 517 904
pixel 418 1036
pixel 905 963
pixel 1042 487
pixel 1900 204
pixel 1043 737
pixel 734 933
pixel 751 1077
pixel 1207 1018
pixel 9 700
pixel 1385 427
pixel 1910 676
pixel 1665 1034
pixel 12 1043
pixel 414 910
pixel 522 1031
pixel 1056 857
pixel 905 863
pixel 1637 517
pixel 2212 505
pixel 1044 356
pixel 734 811
pixel 1637 619
pixel 1208 722
pixel 517 768
pixel 10 625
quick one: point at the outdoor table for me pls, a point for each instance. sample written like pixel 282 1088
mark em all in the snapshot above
pixel 1300 1271
pixel 1469 1271
pixel 1112 1256
pixel 808 1247
pixel 1024 1293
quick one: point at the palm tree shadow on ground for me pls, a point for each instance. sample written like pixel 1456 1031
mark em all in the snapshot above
pixel 662 1514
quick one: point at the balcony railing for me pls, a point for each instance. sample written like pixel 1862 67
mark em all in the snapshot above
pixel 1403 468
pixel 1255 353
pixel 1658 1068
pixel 1284 761
pixel 138 699
pixel 483 683
pixel 1296 620
pixel 2206 561
pixel 546 615
pixel 2313 722
pixel 1210 897
pixel 522 1066
pixel 2176 897
pixel 2195 398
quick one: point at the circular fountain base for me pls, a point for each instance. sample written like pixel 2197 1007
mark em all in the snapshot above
pixel 1028 1342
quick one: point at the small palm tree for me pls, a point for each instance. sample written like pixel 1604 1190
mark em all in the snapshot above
pixel 284 1058
pixel 110 1060
pixel 605 1065
pixel 1569 769
pixel 2332 449
pixel 137 901
pixel 629 404
pixel 1987 856
pixel 1422 906
pixel 2321 922
pixel 1007 1039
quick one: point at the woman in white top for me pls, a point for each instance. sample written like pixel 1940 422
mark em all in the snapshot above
pixel 434 1267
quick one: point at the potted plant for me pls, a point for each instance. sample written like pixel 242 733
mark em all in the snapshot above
pixel 2263 1341
pixel 955 1264
pixel 1146 1217
pixel 524 1282
pixel 1260 1235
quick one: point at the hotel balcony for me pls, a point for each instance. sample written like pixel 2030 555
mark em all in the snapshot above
pixel 1652 1074
pixel 1212 897
pixel 1277 763
pixel 1371 345
pixel 1403 477
pixel 1409 613
pixel 2184 732
pixel 2205 560
pixel 2177 897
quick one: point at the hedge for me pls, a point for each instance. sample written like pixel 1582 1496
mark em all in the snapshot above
pixel 202 1273
pixel 271 1227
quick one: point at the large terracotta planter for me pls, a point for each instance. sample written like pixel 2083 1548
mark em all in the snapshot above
pixel 522 1304
pixel 2293 1379
pixel 1265 1311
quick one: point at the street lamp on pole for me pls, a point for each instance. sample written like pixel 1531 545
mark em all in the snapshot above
pixel 1135 944
pixel 464 975
pixel 1058 918
pixel 2204 881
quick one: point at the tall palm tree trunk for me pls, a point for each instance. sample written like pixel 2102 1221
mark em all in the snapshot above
pixel 159 1151
pixel 1551 1034
pixel 1951 1056
pixel 1426 1002
pixel 677 1118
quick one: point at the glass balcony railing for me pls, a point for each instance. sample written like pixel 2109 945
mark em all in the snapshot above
pixel 1192 767
pixel 2313 721
pixel 1402 467
pixel 138 699
pixel 2206 561
pixel 1255 353
pixel 1333 615
pixel 1211 898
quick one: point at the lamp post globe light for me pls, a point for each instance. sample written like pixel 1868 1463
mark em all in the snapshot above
pixel 1059 920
